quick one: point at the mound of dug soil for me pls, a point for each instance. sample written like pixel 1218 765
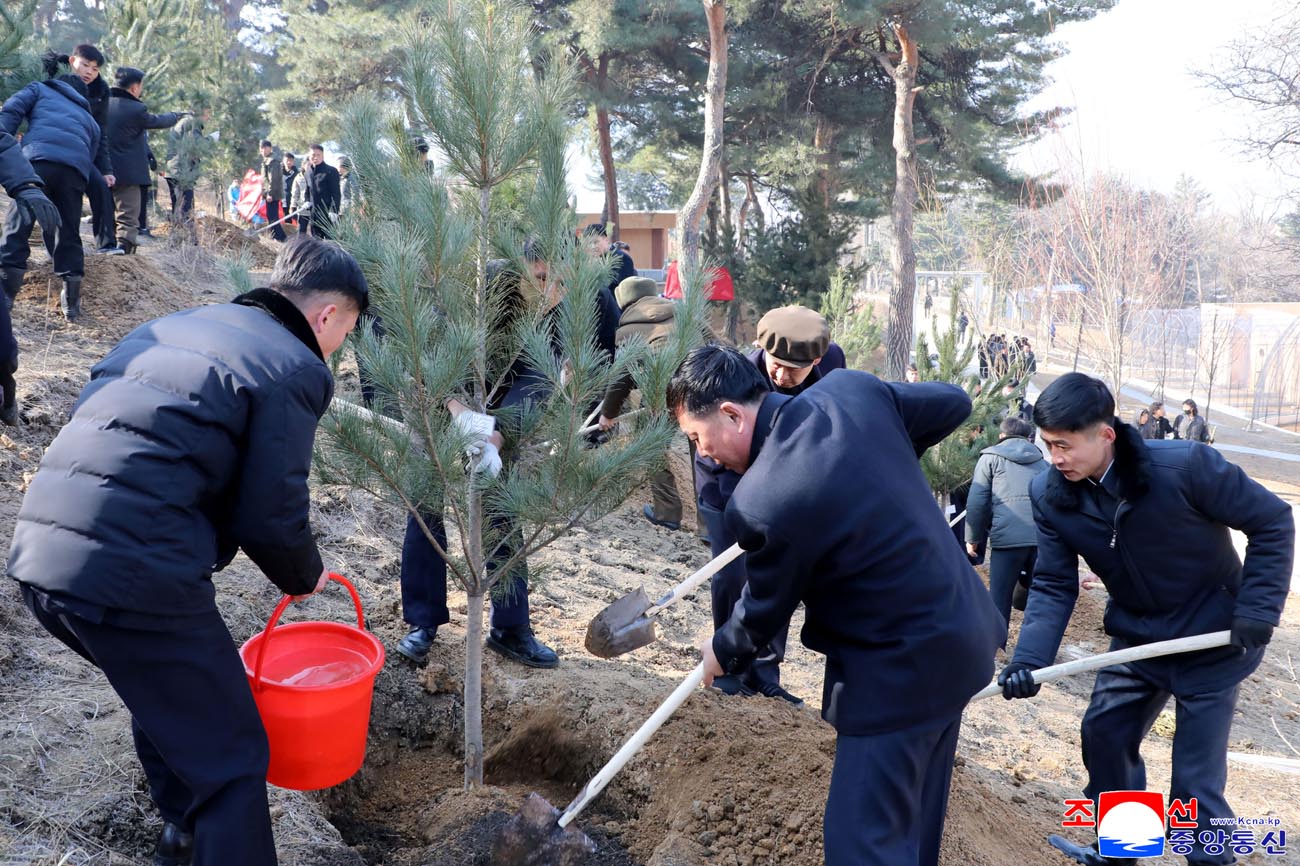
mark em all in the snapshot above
pixel 223 238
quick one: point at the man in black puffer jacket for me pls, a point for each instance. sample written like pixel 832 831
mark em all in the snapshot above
pixel 192 440
pixel 1152 520
pixel 86 61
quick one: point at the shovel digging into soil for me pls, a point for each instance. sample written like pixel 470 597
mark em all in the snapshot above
pixel 541 835
pixel 629 623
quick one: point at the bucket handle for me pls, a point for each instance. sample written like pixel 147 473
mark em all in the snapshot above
pixel 275 620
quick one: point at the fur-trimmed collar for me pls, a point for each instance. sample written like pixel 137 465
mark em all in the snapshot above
pixel 280 308
pixel 1132 467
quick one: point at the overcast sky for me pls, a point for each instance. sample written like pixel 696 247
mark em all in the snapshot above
pixel 1138 108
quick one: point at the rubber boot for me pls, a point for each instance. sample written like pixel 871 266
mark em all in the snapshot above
pixel 13 281
pixel 8 399
pixel 70 298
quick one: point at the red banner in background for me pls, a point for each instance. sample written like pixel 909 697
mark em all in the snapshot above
pixel 250 202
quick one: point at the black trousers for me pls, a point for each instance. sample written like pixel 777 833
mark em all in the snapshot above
pixel 146 193
pixel 424 579
pixel 1006 565
pixel 197 731
pixel 65 187
pixel 184 196
pixel 1126 700
pixel 273 215
pixel 725 589
pixel 8 352
pixel 889 796
pixel 102 221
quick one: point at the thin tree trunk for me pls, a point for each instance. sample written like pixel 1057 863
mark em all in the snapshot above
pixel 898 341
pixel 474 692
pixel 715 11
pixel 607 152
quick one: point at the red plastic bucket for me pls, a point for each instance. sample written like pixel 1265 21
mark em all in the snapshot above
pixel 313 682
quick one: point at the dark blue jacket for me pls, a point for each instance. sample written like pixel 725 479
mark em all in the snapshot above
pixel 835 512
pixel 1172 571
pixel 713 482
pixel 192 439
pixel 60 127
pixel 15 171
pixel 129 122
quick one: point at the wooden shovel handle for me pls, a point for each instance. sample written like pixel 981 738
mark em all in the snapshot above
pixel 633 745
pixel 690 584
pixel 1206 641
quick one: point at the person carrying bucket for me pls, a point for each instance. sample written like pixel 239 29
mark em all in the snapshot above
pixel 192 440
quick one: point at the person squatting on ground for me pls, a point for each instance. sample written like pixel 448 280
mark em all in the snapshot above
pixel 651 318
pixel 30 206
pixel 192 440
pixel 62 143
pixel 86 61
pixel 907 628
pixel 1151 519
pixel 273 187
pixel 794 353
pixel 423 571
pixel 129 122
pixel 998 509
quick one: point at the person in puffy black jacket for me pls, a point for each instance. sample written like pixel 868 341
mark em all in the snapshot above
pixel 24 186
pixel 192 440
pixel 86 61
pixel 853 532
pixel 1152 520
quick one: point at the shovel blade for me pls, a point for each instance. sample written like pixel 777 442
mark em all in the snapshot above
pixel 533 837
pixel 621 627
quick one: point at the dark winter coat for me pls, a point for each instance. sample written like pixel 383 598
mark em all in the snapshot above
pixel 288 177
pixel 713 482
pixel 129 122
pixel 98 95
pixel 273 176
pixel 192 439
pixel 60 127
pixel 1156 532
pixel 1194 429
pixel 15 171
pixel 1156 428
pixel 653 321
pixel 323 188
pixel 621 267
pixel 997 507
pixel 908 630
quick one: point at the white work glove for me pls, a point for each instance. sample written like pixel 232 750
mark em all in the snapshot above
pixel 485 460
pixel 476 426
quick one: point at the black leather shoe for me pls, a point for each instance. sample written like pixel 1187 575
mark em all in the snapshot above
pixel 732 685
pixel 520 644
pixel 8 400
pixel 415 646
pixel 772 690
pixel 649 513
pixel 175 847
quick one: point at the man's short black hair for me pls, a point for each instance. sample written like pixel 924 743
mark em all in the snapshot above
pixel 308 265
pixel 713 374
pixel 317 147
pixel 533 250
pixel 1074 402
pixel 89 52
pixel 289 155
pixel 1014 426
pixel 595 230
pixel 266 142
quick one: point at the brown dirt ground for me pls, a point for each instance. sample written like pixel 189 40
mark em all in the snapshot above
pixel 727 781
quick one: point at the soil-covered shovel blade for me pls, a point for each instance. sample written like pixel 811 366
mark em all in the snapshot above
pixel 621 627
pixel 533 837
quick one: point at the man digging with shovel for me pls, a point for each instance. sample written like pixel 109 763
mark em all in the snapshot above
pixel 1151 518
pixel 834 511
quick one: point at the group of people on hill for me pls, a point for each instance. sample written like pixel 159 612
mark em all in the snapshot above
pixel 193 440
pixel 999 356
pixel 311 196
pixel 1153 423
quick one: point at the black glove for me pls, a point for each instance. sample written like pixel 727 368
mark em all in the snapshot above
pixel 37 207
pixel 1016 681
pixel 1250 634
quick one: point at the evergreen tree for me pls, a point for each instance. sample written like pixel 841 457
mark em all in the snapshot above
pixel 18 64
pixel 855 328
pixel 457 323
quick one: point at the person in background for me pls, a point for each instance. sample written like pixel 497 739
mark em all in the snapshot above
pixel 1162 429
pixel 998 509
pixel 596 240
pixel 192 440
pixel 912 374
pixel 184 155
pixel 322 184
pixel 30 206
pixel 85 61
pixel 273 187
pixel 291 172
pixel 1193 428
pixel 62 143
pixel 129 122
pixel 349 194
pixel 1144 424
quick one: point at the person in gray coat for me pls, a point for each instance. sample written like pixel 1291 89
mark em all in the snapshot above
pixel 129 122
pixel 998 509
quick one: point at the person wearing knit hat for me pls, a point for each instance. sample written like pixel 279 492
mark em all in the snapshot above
pixel 652 318
pixel 793 353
